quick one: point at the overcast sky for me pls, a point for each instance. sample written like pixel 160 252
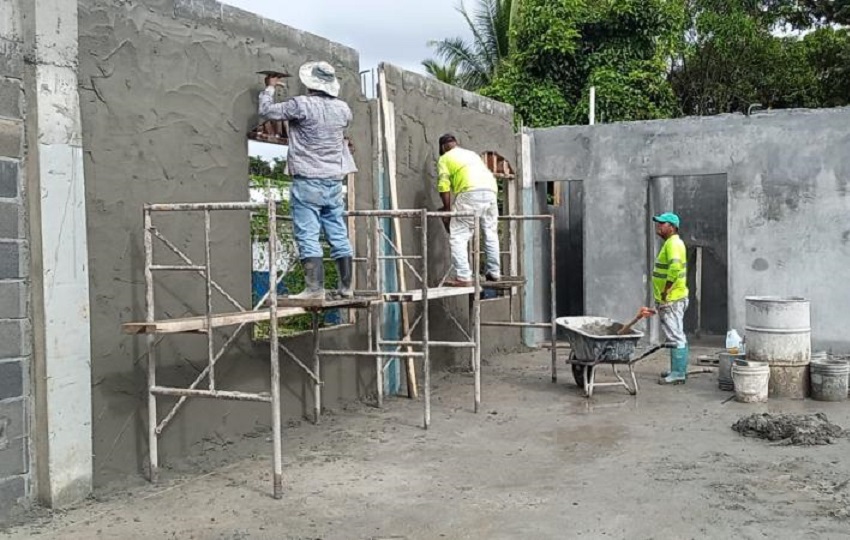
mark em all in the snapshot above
pixel 396 31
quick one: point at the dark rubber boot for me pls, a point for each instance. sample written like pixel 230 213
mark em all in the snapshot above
pixel 314 280
pixel 344 271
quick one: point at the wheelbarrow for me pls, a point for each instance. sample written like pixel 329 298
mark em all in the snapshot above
pixel 594 341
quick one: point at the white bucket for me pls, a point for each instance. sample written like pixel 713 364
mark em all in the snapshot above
pixel 751 381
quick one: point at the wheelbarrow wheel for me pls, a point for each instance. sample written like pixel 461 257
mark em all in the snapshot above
pixel 578 371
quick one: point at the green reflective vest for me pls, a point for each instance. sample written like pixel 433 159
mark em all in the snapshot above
pixel 671 265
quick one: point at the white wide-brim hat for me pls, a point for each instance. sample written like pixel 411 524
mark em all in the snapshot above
pixel 319 76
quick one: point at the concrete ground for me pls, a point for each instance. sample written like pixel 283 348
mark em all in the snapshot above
pixel 540 461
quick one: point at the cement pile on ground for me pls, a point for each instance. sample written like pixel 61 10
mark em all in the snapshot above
pixel 790 429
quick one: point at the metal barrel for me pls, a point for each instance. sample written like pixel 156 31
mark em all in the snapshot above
pixel 779 332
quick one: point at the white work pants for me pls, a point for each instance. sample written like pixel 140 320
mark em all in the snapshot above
pixel 483 203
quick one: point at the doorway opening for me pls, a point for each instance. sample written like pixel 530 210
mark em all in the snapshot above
pixel 565 200
pixel 701 201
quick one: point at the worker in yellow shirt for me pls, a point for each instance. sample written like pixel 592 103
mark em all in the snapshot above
pixel 670 288
pixel 463 173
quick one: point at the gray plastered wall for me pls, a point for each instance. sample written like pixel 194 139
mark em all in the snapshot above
pixel 788 203
pixel 425 109
pixel 168 93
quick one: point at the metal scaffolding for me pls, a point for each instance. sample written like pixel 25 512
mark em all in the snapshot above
pixel 272 308
pixel 510 283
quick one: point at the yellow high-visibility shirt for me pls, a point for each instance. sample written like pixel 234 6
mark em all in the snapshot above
pixel 671 265
pixel 460 170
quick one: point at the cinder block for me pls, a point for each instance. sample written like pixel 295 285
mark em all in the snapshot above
pixel 15 342
pixel 14 300
pixel 10 98
pixel 14 458
pixel 10 21
pixel 13 421
pixel 14 259
pixel 11 57
pixel 10 175
pixel 13 495
pixel 11 136
pixel 11 374
pixel 10 220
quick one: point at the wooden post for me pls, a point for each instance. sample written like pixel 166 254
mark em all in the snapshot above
pixel 389 138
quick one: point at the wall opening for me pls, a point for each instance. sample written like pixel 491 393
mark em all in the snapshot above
pixel 508 258
pixel 701 201
pixel 565 200
pixel 267 169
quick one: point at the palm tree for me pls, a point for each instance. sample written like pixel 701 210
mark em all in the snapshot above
pixel 447 73
pixel 477 61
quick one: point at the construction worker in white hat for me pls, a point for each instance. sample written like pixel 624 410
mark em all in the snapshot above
pixel 319 160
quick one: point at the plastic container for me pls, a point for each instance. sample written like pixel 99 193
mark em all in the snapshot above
pixel 779 333
pixel 751 381
pixel 724 371
pixel 829 380
pixel 733 342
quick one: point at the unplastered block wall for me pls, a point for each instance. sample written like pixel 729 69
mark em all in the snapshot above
pixel 788 174
pixel 15 321
pixel 425 109
pixel 168 92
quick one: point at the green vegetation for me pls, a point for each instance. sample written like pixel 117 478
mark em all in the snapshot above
pixel 651 59
pixel 263 175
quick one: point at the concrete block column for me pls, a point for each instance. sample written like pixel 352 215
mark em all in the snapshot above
pixel 15 322
pixel 58 253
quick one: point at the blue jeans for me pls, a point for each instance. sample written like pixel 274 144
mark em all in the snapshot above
pixel 317 205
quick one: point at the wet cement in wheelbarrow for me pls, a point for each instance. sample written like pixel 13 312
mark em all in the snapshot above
pixel 601 329
pixel 790 429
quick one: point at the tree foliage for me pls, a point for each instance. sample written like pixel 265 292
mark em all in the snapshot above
pixel 734 57
pixel 562 47
pixel 658 58
pixel 474 63
pixel 448 73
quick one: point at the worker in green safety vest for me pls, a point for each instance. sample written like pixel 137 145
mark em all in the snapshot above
pixel 670 288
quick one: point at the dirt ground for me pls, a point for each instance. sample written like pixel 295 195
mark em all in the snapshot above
pixel 539 461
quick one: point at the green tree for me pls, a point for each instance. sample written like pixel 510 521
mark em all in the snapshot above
pixel 734 58
pixel 447 73
pixel 476 62
pixel 562 47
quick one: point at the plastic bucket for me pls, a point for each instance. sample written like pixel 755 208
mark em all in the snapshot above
pixel 751 381
pixel 724 371
pixel 829 380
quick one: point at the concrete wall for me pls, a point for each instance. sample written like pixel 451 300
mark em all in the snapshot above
pixel 425 109
pixel 168 92
pixel 15 321
pixel 788 175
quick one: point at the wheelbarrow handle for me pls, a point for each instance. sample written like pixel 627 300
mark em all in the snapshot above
pixel 649 351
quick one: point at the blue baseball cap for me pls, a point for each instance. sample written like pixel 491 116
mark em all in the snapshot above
pixel 667 217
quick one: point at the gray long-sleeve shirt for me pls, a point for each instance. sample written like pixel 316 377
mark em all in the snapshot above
pixel 317 124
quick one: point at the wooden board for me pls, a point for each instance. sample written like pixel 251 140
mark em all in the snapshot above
pixel 326 303
pixel 433 294
pixel 199 323
pixel 388 111
pixel 507 282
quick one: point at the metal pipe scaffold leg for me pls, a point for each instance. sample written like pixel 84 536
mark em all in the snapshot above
pixel 553 314
pixel 274 353
pixel 208 307
pixel 426 349
pixel 476 315
pixel 317 369
pixel 153 439
pixel 379 360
